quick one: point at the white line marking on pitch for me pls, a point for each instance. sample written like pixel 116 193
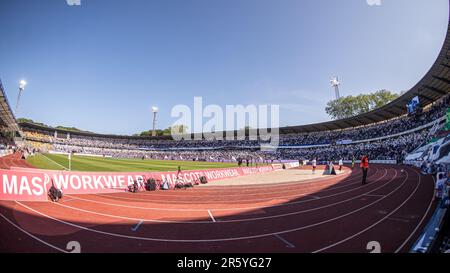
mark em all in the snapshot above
pixel 284 241
pixel 54 162
pixel 137 226
pixel 212 217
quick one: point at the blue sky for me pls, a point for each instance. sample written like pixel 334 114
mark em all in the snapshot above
pixel 102 65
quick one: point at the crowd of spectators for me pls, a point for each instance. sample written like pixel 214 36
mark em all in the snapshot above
pixel 35 135
pixel 216 155
pixel 391 127
pixel 6 142
pixel 391 149
pixel 6 145
pixel 232 150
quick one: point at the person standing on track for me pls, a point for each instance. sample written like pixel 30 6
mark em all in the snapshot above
pixel 341 163
pixel 353 162
pixel 314 165
pixel 365 168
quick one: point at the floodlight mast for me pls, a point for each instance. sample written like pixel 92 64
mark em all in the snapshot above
pixel 22 85
pixel 155 112
pixel 335 83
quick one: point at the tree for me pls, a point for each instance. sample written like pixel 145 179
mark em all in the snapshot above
pixel 350 106
pixel 27 120
pixel 149 133
pixel 73 129
pixel 178 129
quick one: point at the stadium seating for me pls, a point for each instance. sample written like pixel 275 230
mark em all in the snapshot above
pixel 398 137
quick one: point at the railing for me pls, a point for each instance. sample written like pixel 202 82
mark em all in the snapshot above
pixel 428 237
pixel 402 133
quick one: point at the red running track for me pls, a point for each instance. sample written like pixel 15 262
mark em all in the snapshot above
pixel 335 214
pixel 13 160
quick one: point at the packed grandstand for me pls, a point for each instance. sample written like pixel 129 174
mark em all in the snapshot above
pixel 388 140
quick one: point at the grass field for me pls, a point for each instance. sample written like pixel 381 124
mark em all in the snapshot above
pixel 99 164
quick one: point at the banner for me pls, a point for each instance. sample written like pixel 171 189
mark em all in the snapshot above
pixel 32 184
pixel 344 142
pixel 391 162
pixel 23 186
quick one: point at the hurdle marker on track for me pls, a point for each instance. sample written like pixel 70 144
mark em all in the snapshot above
pixel 137 226
pixel 285 241
pixel 212 217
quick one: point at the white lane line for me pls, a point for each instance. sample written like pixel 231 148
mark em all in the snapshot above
pixel 258 193
pixel 418 225
pixel 382 219
pixel 228 221
pixel 54 162
pixel 212 217
pixel 294 186
pixel 32 236
pixel 288 244
pixel 131 218
pixel 137 226
pixel 221 209
pixel 207 240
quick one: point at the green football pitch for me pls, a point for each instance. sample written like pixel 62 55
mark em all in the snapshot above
pixel 100 164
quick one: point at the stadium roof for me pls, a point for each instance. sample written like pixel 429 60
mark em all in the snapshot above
pixel 7 120
pixel 30 125
pixel 433 86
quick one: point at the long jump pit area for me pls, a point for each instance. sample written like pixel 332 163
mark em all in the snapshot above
pixel 296 175
pixel 275 212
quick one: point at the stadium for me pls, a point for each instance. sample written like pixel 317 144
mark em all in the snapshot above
pixel 155 194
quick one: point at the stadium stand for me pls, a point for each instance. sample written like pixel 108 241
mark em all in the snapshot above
pixel 399 137
pixel 8 125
